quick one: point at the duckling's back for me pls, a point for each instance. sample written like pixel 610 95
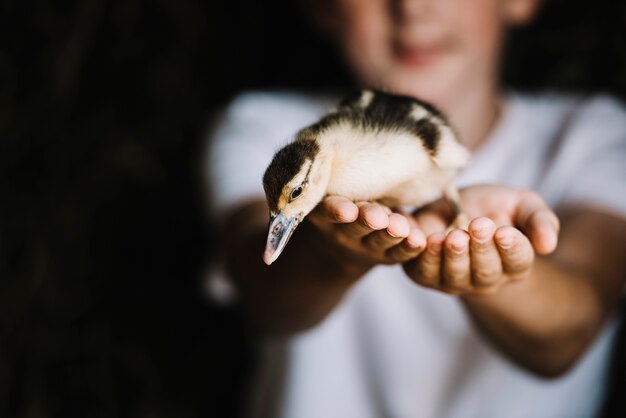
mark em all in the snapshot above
pixel 395 149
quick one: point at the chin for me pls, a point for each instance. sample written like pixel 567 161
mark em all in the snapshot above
pixel 437 82
pixel 416 86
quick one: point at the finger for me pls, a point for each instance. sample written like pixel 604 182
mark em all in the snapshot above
pixel 372 217
pixel 430 222
pixel 336 209
pixel 486 264
pixel 543 230
pixel 515 251
pixel 381 240
pixel 426 269
pixel 398 225
pixel 387 209
pixel 396 231
pixel 538 222
pixel 416 238
pixel 409 248
pixel 456 261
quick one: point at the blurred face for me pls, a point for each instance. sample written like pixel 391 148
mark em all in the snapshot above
pixel 433 49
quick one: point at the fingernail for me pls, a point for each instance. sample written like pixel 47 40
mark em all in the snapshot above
pixel 413 245
pixel 375 227
pixel 343 218
pixel 506 241
pixel 458 248
pixel 434 247
pixel 481 234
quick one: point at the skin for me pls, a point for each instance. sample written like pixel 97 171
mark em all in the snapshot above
pixel 334 247
pixel 540 303
pixel 444 51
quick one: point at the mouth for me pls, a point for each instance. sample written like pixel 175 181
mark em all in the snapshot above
pixel 280 230
pixel 417 55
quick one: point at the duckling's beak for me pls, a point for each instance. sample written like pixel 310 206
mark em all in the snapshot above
pixel 280 231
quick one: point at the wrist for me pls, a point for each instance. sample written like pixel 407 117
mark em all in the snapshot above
pixel 509 292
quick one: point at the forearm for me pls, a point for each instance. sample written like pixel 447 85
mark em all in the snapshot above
pixel 546 321
pixel 299 289
pixel 543 322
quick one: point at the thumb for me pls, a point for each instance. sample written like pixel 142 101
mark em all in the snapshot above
pixel 539 223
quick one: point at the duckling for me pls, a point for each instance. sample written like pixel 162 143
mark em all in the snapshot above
pixel 396 150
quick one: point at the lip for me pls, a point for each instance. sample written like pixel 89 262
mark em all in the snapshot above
pixel 417 55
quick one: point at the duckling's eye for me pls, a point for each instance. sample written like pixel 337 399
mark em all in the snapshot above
pixel 296 192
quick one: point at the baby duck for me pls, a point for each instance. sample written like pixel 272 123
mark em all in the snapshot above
pixel 396 150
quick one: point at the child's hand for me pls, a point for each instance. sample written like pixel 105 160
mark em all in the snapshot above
pixel 494 251
pixel 368 233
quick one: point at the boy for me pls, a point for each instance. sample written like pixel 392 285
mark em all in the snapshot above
pixel 356 329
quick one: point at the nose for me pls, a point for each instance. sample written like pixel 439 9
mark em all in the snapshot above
pixel 407 10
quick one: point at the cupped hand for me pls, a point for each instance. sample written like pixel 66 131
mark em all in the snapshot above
pixel 367 232
pixel 508 227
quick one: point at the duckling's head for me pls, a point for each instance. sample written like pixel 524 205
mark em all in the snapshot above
pixel 295 182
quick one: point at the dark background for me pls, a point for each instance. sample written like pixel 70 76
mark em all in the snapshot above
pixel 104 106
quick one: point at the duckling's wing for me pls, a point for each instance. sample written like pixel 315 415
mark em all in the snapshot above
pixel 449 152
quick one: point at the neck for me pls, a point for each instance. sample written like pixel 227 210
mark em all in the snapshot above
pixel 322 168
pixel 474 113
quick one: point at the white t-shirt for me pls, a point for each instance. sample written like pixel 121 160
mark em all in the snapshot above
pixel 392 348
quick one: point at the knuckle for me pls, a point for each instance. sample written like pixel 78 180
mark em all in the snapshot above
pixel 489 274
pixel 454 255
pixel 481 248
pixel 516 265
pixel 455 279
pixel 484 280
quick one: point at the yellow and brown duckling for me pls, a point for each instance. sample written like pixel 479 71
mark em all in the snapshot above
pixel 396 150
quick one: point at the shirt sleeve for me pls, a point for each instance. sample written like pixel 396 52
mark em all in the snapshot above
pixel 594 157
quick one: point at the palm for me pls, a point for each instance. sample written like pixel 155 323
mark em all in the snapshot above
pixel 497 247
